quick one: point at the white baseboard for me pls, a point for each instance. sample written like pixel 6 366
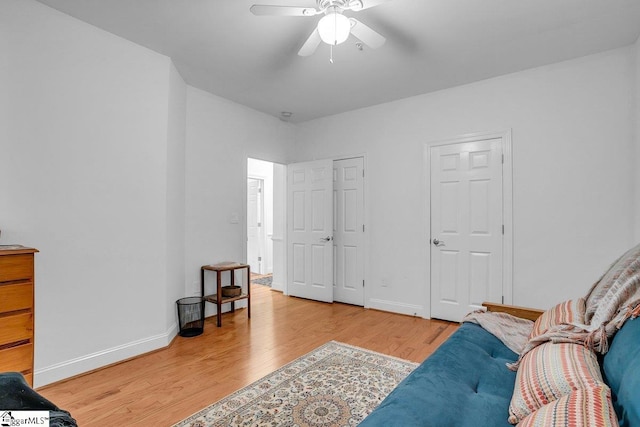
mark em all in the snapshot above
pixel 80 365
pixel 396 307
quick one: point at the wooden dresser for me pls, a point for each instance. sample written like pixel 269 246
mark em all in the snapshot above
pixel 17 310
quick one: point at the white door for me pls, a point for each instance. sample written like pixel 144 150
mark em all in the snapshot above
pixel 466 227
pixel 254 224
pixel 310 228
pixel 348 223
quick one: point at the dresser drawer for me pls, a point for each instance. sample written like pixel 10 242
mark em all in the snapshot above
pixel 16 267
pixel 17 359
pixel 17 296
pixel 17 327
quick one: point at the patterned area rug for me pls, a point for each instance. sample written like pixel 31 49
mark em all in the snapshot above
pixel 334 385
pixel 265 280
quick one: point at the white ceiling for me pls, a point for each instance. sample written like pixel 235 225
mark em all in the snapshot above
pixel 220 47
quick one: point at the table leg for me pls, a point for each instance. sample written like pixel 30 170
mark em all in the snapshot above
pixel 233 282
pixel 219 299
pixel 249 292
pixel 204 303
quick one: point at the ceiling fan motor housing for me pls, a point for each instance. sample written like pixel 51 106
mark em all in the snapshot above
pixel 323 5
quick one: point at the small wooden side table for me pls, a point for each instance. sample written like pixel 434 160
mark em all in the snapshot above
pixel 218 299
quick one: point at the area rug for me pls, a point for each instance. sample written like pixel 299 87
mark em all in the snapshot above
pixel 334 385
pixel 265 280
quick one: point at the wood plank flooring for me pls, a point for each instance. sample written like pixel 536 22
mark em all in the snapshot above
pixel 166 386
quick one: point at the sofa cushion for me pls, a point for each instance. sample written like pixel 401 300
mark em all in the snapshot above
pixel 549 372
pixel 465 375
pixel 584 407
pixel 621 367
pixel 571 311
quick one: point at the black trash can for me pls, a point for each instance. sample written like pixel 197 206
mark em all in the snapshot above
pixel 190 316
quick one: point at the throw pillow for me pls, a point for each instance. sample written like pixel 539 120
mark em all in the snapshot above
pixel 571 311
pixel 585 408
pixel 549 372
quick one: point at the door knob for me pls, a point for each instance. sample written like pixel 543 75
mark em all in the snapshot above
pixel 327 239
pixel 438 242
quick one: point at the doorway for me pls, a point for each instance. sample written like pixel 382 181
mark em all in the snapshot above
pixel 297 243
pixel 265 249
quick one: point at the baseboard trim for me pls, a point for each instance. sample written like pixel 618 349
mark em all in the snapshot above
pixel 100 359
pixel 397 307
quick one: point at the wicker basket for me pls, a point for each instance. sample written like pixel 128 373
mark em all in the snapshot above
pixel 231 291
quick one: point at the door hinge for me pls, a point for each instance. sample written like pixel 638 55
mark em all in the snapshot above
pixel 259 224
pixel 363 283
pixel 503 229
pixel 363 228
pixel 503 159
pixel 363 173
pixel 502 299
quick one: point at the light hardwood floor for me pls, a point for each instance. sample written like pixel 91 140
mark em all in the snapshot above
pixel 163 387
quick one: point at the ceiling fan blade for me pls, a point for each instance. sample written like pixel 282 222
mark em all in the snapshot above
pixel 311 44
pixel 366 35
pixel 364 4
pixel 263 9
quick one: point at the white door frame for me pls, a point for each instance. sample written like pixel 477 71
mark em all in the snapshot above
pixel 263 229
pixel 507 207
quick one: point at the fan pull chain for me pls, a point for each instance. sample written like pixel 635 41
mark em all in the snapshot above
pixel 331 57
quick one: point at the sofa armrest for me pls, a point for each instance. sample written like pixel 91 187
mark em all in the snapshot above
pixel 523 312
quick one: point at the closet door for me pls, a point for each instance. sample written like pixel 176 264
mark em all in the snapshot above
pixel 466 227
pixel 310 228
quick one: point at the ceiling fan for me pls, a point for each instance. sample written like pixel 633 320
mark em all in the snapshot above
pixel 333 28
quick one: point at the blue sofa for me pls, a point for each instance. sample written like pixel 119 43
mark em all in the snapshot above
pixel 16 394
pixel 465 383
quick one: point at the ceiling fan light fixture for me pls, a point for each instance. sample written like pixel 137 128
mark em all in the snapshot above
pixel 334 28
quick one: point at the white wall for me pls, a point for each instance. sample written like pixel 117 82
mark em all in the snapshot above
pixel 573 191
pixel 86 129
pixel 221 135
pixel 175 225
